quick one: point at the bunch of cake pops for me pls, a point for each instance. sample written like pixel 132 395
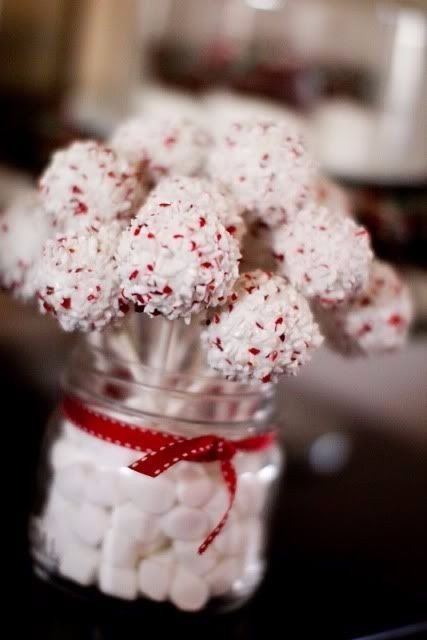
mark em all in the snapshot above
pixel 231 226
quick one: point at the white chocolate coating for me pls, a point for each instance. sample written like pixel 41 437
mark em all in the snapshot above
pixel 266 166
pixel 265 330
pixel 324 254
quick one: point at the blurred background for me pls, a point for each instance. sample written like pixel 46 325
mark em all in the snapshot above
pixel 355 74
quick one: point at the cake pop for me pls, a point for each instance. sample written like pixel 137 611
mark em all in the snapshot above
pixel 375 320
pixel 266 166
pixel 89 183
pixel 265 330
pixel 174 260
pixel 24 228
pixel 323 254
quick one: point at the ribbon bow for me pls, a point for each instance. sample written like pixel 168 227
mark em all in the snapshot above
pixel 163 450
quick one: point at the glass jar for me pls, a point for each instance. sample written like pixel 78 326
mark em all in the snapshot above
pixel 101 527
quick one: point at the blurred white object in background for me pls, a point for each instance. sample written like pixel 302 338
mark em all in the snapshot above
pixel 385 141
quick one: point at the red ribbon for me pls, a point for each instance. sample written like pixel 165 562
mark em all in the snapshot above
pixel 163 450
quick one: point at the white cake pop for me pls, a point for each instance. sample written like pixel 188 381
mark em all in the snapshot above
pixel 77 279
pixel 374 321
pixel 174 261
pixel 87 183
pixel 162 145
pixel 323 254
pixel 24 228
pixel 265 330
pixel 266 166
pixel 206 195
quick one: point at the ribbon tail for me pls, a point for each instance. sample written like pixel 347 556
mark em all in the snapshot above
pixel 230 478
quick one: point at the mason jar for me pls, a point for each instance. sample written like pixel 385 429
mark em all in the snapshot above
pixel 155 485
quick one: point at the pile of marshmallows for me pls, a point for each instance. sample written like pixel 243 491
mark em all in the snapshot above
pixel 170 220
pixel 132 535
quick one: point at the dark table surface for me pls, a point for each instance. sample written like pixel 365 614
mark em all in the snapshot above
pixel 347 557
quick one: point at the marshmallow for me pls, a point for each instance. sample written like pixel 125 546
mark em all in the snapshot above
pixel 112 455
pixel 102 487
pixel 188 556
pixel 56 535
pixel 141 526
pixel 195 493
pixel 231 540
pixel 64 453
pixel 120 549
pixel 248 462
pixel 217 505
pixel 79 563
pixel 188 592
pixel 250 495
pixel 184 523
pixel 222 577
pixel 70 481
pixel 188 471
pixel 154 578
pixel 155 495
pixel 121 583
pixel 252 531
pixel 91 523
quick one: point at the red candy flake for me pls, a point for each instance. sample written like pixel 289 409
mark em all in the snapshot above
pixel 202 221
pixel 80 208
pixel 134 274
pixel 178 235
pixel 231 229
pixel 207 265
pixel 66 303
pixel 259 325
pixel 266 378
pixel 123 306
pixel 170 141
pixel 76 189
pixel 150 235
pixel 395 320
pixel 366 328
pixel 150 267
pixel 137 231
pixel 50 291
pixel 167 290
pixel 48 307
pixel 254 351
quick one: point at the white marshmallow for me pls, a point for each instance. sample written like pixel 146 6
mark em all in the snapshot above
pixel 103 487
pixel 91 523
pixel 250 495
pixel 79 563
pixel 252 531
pixel 188 471
pixel 71 481
pixel 216 507
pixel 121 583
pixel 184 523
pixel 113 455
pixel 142 526
pixel 188 591
pixel 195 493
pixel 64 453
pixel 60 507
pixel 223 576
pixel 155 495
pixel 120 549
pixel 56 536
pixel 187 555
pixel 248 462
pixel 231 540
pixel 154 578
